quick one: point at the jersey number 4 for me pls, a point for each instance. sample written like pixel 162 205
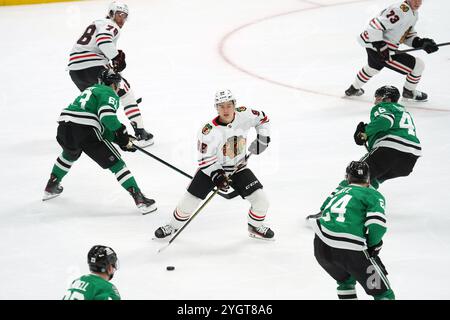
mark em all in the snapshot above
pixel 338 206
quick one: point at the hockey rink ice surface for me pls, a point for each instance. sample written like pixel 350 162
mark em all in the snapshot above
pixel 291 58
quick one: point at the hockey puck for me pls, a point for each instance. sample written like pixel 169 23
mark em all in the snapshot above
pixel 170 268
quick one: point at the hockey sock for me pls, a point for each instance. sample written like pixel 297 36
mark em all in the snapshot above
pixel 62 166
pixel 413 78
pixel 124 176
pixel 388 295
pixel 346 289
pixel 131 107
pixel 363 76
pixel 258 209
pixel 185 207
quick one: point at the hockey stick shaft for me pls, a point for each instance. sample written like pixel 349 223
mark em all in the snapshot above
pixel 416 49
pixel 224 195
pixel 199 209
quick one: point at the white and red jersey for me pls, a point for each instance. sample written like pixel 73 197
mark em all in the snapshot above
pixel 394 25
pixel 224 146
pixel 96 46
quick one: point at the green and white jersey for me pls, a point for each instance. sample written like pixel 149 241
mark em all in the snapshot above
pixel 92 287
pixel 391 126
pixel 353 218
pixel 96 107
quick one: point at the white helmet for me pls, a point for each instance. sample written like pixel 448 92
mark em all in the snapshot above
pixel 223 96
pixel 117 6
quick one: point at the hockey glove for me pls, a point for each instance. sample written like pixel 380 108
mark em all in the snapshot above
pixel 123 139
pixel 382 49
pixel 426 44
pixel 220 179
pixel 360 135
pixel 259 145
pixel 118 62
pixel 375 250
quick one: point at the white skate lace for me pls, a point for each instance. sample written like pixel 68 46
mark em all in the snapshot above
pixel 167 229
pixel 262 229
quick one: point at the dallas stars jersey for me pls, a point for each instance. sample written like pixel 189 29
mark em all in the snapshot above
pixel 96 107
pixel 92 287
pixel 353 218
pixel 96 46
pixel 394 25
pixel 223 146
pixel 391 126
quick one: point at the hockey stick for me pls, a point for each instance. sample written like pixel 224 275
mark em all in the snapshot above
pixel 198 210
pixel 230 195
pixel 416 49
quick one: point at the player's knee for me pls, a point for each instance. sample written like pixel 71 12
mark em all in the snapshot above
pixel 188 203
pixel 259 200
pixel 419 67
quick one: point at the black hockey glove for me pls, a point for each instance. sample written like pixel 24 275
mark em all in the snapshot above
pixel 360 135
pixel 118 62
pixel 373 251
pixel 123 139
pixel 426 44
pixel 220 179
pixel 259 145
pixel 382 49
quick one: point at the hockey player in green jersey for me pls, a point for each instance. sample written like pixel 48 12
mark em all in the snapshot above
pixel 348 236
pixel 390 137
pixel 103 263
pixel 89 125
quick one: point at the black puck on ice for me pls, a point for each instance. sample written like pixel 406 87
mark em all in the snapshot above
pixel 170 268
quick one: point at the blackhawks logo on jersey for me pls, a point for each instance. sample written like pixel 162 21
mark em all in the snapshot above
pixel 404 7
pixel 241 109
pixel 206 129
pixel 234 146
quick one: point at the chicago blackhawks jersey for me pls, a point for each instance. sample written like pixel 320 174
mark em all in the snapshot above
pixel 394 25
pixel 224 146
pixel 96 107
pixel 92 287
pixel 391 126
pixel 353 218
pixel 96 46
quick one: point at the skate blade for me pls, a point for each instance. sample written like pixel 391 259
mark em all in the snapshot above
pixel 48 196
pixel 413 101
pixel 255 236
pixel 147 210
pixel 144 143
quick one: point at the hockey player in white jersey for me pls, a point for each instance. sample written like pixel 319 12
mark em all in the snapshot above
pixel 222 145
pixel 94 51
pixel 382 37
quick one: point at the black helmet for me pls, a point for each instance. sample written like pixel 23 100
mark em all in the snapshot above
pixel 357 171
pixel 108 77
pixel 388 92
pixel 100 257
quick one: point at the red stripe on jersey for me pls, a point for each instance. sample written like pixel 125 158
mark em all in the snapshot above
pixel 207 161
pixel 215 121
pixel 103 38
pixel 376 24
pixel 128 112
pixel 255 216
pixel 83 56
pixel 264 120
pixel 391 45
pixel 399 66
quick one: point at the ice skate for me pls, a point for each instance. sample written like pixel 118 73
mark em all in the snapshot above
pixel 261 232
pixel 143 204
pixel 53 188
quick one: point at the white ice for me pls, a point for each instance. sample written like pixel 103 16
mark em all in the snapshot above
pixel 291 58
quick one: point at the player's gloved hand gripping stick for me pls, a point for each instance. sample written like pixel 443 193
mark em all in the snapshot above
pixel 204 204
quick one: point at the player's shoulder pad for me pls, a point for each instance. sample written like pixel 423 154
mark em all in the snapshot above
pixel 405 7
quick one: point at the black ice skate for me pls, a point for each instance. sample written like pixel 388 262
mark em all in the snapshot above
pixel 414 95
pixel 53 188
pixel 261 232
pixel 353 92
pixel 144 204
pixel 164 231
pixel 144 138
